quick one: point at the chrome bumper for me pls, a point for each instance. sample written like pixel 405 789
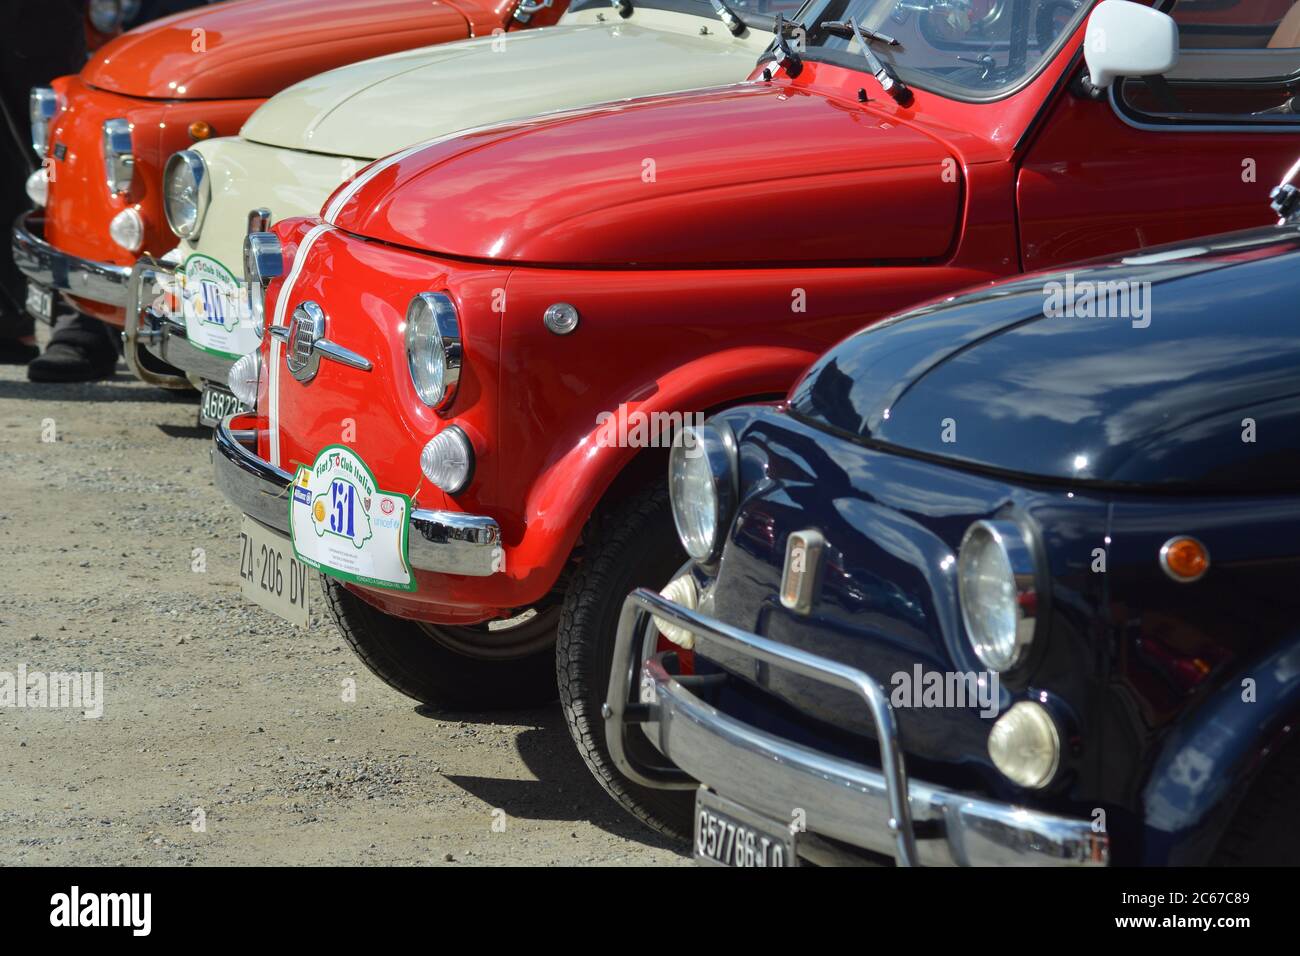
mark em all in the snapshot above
pixel 163 335
pixel 856 804
pixel 55 269
pixel 447 542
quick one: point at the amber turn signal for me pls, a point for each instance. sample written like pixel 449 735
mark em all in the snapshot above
pixel 1184 559
pixel 200 129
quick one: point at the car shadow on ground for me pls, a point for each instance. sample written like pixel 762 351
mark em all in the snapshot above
pixel 186 431
pixel 564 788
pixel 122 387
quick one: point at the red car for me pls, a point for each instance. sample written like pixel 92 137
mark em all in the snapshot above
pixel 478 353
pixel 104 135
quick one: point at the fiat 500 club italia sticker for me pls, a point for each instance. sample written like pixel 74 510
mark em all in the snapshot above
pixel 215 314
pixel 343 525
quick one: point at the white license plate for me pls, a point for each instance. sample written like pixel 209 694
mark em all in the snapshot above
pixel 40 302
pixel 727 834
pixel 269 574
pixel 216 404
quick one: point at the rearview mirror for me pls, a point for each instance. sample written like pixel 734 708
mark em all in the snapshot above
pixel 1125 39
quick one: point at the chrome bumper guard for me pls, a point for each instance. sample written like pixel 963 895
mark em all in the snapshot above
pixel 56 269
pixel 163 336
pixel 876 810
pixel 447 542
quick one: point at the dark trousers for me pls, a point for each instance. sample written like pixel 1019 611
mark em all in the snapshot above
pixel 41 39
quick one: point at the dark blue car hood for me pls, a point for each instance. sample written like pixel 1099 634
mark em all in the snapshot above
pixel 1201 392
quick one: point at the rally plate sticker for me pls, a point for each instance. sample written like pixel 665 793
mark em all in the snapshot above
pixel 343 525
pixel 212 301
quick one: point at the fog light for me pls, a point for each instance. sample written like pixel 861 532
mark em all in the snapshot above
pixel 680 591
pixel 38 186
pixel 127 230
pixel 1025 746
pixel 448 459
pixel 243 377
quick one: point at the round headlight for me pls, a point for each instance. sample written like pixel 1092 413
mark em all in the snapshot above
pixel 1025 746
pixel 448 459
pixel 702 487
pixel 996 584
pixel 433 348
pixel 105 15
pixel 185 193
pixel 127 229
pixel 38 186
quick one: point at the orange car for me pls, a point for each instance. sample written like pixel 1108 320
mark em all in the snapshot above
pixel 104 135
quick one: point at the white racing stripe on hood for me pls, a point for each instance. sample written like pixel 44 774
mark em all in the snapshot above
pixel 281 306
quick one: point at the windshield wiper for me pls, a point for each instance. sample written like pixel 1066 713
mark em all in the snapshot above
pixel 785 55
pixel 729 17
pixel 884 74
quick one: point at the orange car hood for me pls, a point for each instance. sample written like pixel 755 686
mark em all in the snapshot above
pixel 247 49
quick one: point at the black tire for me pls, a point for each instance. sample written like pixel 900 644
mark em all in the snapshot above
pixel 1263 831
pixel 422 662
pixel 627 547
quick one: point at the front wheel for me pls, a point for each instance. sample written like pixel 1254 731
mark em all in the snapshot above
pixel 626 548
pixel 1263 832
pixel 499 665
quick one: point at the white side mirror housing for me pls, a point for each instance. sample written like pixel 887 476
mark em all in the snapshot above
pixel 1126 39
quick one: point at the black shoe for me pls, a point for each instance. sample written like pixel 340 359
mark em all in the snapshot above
pixel 14 352
pixel 81 350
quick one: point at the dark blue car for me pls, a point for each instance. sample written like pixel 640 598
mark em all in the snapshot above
pixel 1011 578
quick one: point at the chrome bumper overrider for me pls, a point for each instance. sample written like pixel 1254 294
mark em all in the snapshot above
pixel 55 269
pixel 163 335
pixel 444 541
pixel 850 802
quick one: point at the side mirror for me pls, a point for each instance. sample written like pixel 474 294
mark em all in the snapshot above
pixel 1126 39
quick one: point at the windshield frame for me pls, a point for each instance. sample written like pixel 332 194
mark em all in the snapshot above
pixel 925 81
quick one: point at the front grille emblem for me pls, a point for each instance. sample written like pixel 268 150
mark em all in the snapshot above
pixel 801 576
pixel 306 328
pixel 305 344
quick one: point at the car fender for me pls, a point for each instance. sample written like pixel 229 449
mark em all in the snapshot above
pixel 1205 768
pixel 568 493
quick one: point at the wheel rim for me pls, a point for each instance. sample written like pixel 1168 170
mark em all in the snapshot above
pixel 528 632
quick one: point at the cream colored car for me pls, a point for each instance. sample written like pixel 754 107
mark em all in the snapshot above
pixel 301 144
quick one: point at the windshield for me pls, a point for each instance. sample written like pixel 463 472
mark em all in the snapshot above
pixel 967 49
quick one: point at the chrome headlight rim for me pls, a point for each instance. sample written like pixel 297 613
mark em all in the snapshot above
pixel 263 261
pixel 1016 545
pixel 714 445
pixel 42 105
pixel 119 160
pixel 192 161
pixel 432 319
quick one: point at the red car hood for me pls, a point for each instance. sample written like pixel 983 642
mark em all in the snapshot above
pixel 248 49
pixel 739 175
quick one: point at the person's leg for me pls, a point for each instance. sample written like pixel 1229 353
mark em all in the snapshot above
pixel 82 349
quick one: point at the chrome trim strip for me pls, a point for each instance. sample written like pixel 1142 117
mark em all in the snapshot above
pixel 55 269
pixel 851 802
pixel 446 542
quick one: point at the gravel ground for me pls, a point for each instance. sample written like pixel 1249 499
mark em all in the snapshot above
pixel 118 556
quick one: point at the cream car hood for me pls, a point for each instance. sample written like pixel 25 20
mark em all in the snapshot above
pixel 376 107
